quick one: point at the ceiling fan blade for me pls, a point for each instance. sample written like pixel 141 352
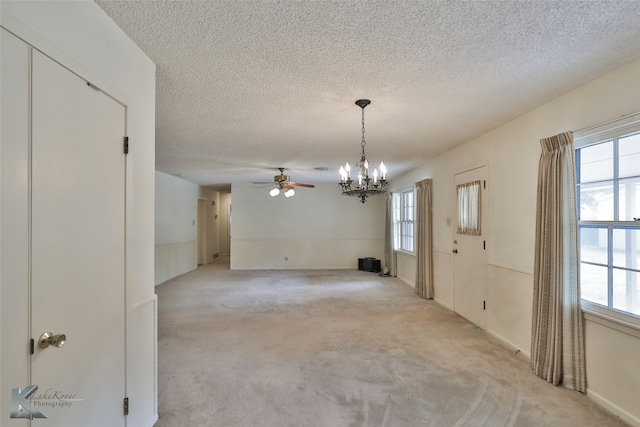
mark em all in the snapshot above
pixel 299 184
pixel 268 182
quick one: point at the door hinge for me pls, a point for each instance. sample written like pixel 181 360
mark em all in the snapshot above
pixel 484 184
pixel 484 245
pixel 126 406
pixel 484 305
pixel 126 145
pixel 32 346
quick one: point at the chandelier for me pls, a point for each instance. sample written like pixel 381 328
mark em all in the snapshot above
pixel 366 185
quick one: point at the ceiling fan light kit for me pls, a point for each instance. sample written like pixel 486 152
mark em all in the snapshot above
pixel 366 185
pixel 283 185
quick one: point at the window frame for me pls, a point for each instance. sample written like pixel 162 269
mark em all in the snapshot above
pixel 611 131
pixel 402 224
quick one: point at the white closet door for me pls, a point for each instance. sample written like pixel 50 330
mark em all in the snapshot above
pixel 77 249
pixel 14 216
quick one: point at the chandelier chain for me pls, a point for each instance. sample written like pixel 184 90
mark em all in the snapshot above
pixel 362 144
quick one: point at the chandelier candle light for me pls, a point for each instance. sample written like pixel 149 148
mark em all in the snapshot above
pixel 366 185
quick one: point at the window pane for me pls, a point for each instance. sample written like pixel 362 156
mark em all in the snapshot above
pixel 396 207
pixel 408 198
pixel 468 208
pixel 408 213
pixel 396 235
pixel 626 248
pixel 596 162
pixel 407 238
pixel 408 246
pixel 596 201
pixel 626 292
pixel 593 283
pixel 408 205
pixel 407 229
pixel 629 154
pixel 629 193
pixel 594 244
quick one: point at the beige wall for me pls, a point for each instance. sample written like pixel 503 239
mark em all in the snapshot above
pixel 224 224
pixel 406 268
pixel 176 216
pixel 512 152
pixel 317 228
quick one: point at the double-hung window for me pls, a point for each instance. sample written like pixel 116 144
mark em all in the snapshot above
pixel 404 220
pixel 608 179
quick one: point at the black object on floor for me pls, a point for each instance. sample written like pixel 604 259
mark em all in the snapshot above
pixel 369 264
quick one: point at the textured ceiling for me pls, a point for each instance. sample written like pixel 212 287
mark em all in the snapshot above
pixel 245 86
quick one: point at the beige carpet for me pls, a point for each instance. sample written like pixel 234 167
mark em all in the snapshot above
pixel 338 348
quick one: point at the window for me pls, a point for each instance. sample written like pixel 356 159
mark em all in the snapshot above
pixel 608 179
pixel 403 220
pixel 469 208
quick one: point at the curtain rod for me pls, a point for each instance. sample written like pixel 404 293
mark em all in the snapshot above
pixel 628 116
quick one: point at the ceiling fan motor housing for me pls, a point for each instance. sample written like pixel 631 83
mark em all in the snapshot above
pixel 281 178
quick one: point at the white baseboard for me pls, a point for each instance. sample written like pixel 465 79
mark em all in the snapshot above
pixel 598 399
pixel 613 408
pixel 442 303
pixel 153 421
pixel 511 346
pixel 402 279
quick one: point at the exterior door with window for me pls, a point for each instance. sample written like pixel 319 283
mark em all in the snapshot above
pixel 469 248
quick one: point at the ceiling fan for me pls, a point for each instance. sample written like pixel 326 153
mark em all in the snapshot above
pixel 282 183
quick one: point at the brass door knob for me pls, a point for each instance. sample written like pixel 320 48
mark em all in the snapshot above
pixel 47 339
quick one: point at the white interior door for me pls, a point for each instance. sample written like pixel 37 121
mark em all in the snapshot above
pixel 77 249
pixel 202 232
pixel 470 258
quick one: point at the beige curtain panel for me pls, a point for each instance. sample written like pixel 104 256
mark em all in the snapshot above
pixel 469 208
pixel 389 260
pixel 557 339
pixel 424 239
